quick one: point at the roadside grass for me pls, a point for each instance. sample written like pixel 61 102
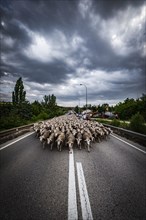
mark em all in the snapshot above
pixel 121 124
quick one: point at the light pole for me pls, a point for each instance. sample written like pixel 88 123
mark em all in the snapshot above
pixel 86 94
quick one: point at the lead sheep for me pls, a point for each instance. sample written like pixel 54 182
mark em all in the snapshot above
pixel 70 142
pixel 60 141
pixel 79 139
pixel 51 140
pixel 44 137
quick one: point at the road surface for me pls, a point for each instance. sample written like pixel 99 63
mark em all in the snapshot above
pixel 107 183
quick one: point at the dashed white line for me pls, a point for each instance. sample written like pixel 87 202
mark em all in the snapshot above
pixel 72 200
pixel 84 198
pixel 129 144
pixel 16 140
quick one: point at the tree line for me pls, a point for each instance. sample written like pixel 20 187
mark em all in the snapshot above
pixel 20 111
pixel 125 110
pixel 132 110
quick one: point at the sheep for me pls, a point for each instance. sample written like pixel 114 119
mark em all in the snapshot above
pixel 44 137
pixel 79 139
pixel 60 140
pixel 36 128
pixel 57 133
pixel 68 129
pixel 94 133
pixel 74 132
pixel 70 141
pixel 51 140
pixel 86 138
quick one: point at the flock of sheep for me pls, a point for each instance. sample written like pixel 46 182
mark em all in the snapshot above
pixel 70 131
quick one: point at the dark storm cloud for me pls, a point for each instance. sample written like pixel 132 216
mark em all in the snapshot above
pixel 108 8
pixel 75 40
pixel 12 28
pixel 43 15
pixel 47 73
pixel 37 71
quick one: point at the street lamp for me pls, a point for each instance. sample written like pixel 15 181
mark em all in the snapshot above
pixel 86 94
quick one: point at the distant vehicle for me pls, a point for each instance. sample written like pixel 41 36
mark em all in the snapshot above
pixel 109 115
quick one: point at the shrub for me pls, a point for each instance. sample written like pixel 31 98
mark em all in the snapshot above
pixel 124 125
pixel 11 121
pixel 137 123
pixel 115 122
pixel 42 116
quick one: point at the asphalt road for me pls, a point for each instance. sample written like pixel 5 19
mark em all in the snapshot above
pixel 34 183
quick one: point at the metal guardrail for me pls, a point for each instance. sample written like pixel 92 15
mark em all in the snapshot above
pixel 14 132
pixel 137 137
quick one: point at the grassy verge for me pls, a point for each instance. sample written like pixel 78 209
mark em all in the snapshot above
pixel 121 124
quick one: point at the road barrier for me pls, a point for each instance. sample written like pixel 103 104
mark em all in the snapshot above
pixel 134 136
pixel 14 132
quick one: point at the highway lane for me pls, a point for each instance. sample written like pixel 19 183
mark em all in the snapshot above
pixel 115 176
pixel 34 182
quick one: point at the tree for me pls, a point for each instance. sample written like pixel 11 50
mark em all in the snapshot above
pixel 52 100
pixel 36 108
pixel 141 105
pixel 103 108
pixel 137 123
pixel 18 95
pixel 76 109
pixel 94 108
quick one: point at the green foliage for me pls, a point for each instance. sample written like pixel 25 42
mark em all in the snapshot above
pixel 101 120
pixel 115 122
pixel 25 111
pixel 94 108
pixel 18 95
pixel 124 125
pixel 36 108
pixel 21 112
pixel 76 109
pixel 42 116
pixel 130 107
pixel 11 121
pixel 127 109
pixel 137 123
pixel 102 108
pixel 142 105
pixel 49 101
pixel 5 109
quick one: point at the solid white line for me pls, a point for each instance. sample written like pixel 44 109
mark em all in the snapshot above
pixel 72 200
pixel 16 141
pixel 84 198
pixel 129 144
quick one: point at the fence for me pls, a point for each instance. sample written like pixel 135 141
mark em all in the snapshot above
pixel 14 132
pixel 134 136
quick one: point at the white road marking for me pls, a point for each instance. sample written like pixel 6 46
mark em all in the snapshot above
pixel 84 198
pixel 72 200
pixel 129 144
pixel 16 140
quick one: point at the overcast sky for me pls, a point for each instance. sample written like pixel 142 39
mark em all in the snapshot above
pixel 56 45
